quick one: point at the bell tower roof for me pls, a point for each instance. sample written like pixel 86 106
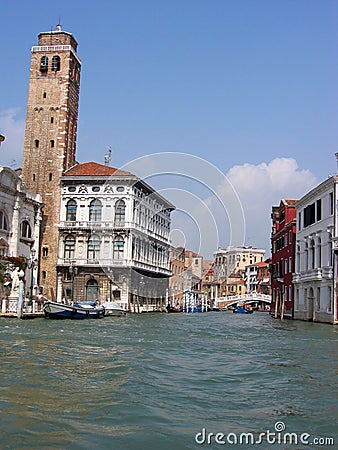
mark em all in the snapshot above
pixel 57 37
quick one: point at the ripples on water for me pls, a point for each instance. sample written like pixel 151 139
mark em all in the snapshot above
pixel 154 381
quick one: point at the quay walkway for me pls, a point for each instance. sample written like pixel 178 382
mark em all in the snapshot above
pixel 9 308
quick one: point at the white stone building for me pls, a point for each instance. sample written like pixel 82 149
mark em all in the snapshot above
pixel 235 259
pixel 114 239
pixel 220 265
pixel 315 274
pixel 20 218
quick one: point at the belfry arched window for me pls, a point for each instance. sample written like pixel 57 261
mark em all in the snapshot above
pixel 118 248
pixel 120 212
pixel 71 211
pixel 44 64
pixel 95 211
pixel 69 247
pixel 56 63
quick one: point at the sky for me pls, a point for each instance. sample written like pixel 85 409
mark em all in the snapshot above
pixel 247 88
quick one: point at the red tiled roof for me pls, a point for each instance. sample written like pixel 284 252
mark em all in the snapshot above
pixel 95 169
pixel 190 253
pixel 258 264
pixel 289 202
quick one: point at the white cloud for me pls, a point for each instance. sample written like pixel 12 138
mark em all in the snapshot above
pixel 13 129
pixel 261 186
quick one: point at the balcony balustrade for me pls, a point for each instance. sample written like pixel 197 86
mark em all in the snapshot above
pixel 118 263
pixel 87 225
pixel 317 274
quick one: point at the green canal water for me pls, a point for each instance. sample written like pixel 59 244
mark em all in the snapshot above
pixel 165 381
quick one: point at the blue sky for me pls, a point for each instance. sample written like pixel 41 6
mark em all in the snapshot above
pixel 240 84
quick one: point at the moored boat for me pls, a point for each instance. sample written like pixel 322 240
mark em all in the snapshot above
pixel 113 309
pixel 80 310
pixel 242 310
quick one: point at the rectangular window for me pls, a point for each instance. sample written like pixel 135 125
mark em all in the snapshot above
pixel 309 215
pixel 299 221
pixel 331 202
pixel 319 209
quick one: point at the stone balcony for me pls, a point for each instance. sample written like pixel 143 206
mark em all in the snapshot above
pixel 115 263
pixel 318 274
pixel 106 226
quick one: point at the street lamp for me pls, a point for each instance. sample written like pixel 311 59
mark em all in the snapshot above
pixel 73 271
pixel 31 267
pixel 110 274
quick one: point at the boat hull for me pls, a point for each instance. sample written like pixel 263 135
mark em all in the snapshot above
pixel 113 309
pixel 242 311
pixel 54 310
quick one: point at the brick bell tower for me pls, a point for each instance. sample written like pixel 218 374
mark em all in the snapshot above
pixel 50 136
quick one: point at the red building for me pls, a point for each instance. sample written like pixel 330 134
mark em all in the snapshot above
pixel 283 240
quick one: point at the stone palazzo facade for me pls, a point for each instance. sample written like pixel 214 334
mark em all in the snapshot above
pixel 316 268
pixel 113 239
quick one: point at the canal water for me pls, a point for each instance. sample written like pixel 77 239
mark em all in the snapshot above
pixel 166 381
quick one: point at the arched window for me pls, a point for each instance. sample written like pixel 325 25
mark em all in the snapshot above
pixel 56 62
pixel 94 247
pixel 26 230
pixel 118 248
pixel 92 290
pixel 120 212
pixel 319 253
pixel 36 143
pixel 44 64
pixel 3 221
pixel 312 253
pixel 298 259
pixel 71 211
pixel 306 256
pixel 69 247
pixel 95 211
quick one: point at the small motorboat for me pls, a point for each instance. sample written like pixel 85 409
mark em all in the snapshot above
pixel 80 310
pixel 113 309
pixel 242 310
pixel 173 309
